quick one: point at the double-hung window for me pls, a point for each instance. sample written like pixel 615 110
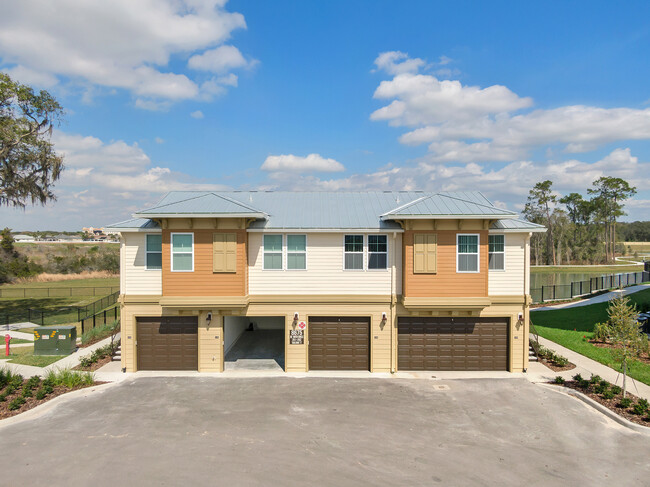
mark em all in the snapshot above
pixel 273 252
pixel 153 252
pixel 182 252
pixel 497 252
pixel 353 258
pixel 377 251
pixel 467 253
pixel 296 252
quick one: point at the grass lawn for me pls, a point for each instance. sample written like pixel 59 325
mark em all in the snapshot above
pixel 25 356
pixel 604 269
pixel 18 309
pixel 103 282
pixel 20 340
pixel 572 327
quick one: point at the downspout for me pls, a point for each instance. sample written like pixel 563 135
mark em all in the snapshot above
pixel 393 300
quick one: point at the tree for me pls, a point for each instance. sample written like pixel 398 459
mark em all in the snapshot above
pixel 28 164
pixel 626 336
pixel 540 199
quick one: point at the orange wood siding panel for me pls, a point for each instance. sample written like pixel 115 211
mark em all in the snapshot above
pixel 446 281
pixel 203 281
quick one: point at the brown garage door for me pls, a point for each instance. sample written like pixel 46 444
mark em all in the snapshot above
pixel 452 343
pixel 339 343
pixel 167 343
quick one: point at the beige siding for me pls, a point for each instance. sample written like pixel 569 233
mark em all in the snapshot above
pixel 324 273
pixel 511 281
pixel 135 279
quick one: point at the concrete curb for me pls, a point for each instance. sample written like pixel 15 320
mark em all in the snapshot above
pixel 44 408
pixel 599 407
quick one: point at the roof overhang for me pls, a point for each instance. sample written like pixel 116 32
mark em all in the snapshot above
pixel 447 304
pixel 204 302
pixel 506 216
pixel 200 215
pixel 325 230
pixel 517 230
pixel 134 230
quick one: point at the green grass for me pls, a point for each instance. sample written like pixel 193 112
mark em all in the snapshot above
pixel 103 282
pixel 70 378
pixel 18 308
pixel 572 327
pixel 100 332
pixel 25 356
pixel 607 269
pixel 20 340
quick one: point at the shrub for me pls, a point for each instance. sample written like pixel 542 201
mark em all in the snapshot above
pixel 561 361
pixel 577 378
pixel 40 394
pixel 27 391
pixel 616 390
pixel 608 394
pixel 69 378
pixel 602 331
pixel 595 379
pixel 16 403
pixel 559 380
pixel 601 387
pixel 641 407
pixel 85 362
pixel 34 381
pixel 47 388
pixel 10 389
pixel 624 403
pixel 3 397
pixel 100 332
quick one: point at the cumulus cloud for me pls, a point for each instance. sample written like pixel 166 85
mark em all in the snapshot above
pixel 119 44
pixel 296 164
pixel 472 124
pixel 198 114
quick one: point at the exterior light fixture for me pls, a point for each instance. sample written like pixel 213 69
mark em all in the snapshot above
pixel 208 319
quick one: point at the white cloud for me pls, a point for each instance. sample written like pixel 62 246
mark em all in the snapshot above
pixel 119 44
pixel 159 140
pixel 297 164
pixel 397 62
pixel 219 60
pixel 198 114
pixel 470 124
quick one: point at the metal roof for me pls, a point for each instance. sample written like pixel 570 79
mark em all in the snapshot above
pixel 517 224
pixel 134 225
pixel 370 210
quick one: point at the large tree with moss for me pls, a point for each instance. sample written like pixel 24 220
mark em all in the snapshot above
pixel 29 166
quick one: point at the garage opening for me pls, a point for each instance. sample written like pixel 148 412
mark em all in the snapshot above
pixel 452 343
pixel 167 343
pixel 253 342
pixel 339 343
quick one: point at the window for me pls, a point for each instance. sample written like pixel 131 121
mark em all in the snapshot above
pixel 497 254
pixel 296 252
pixel 224 252
pixel 273 252
pixel 182 252
pixel 353 252
pixel 153 259
pixel 377 251
pixel 467 253
pixel 425 248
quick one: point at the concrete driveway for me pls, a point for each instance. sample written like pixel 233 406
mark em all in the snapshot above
pixel 312 431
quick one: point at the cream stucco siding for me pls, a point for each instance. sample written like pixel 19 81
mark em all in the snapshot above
pixel 324 273
pixel 135 279
pixel 510 281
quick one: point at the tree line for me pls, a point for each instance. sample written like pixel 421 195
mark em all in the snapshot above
pixel 579 230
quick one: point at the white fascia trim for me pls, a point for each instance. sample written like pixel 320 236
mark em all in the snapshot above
pixel 200 215
pixel 517 230
pixel 449 217
pixel 325 230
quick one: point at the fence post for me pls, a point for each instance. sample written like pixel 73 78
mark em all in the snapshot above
pixel 94 321
pixel 572 289
pixel 82 326
pixel 115 310
pixel 104 316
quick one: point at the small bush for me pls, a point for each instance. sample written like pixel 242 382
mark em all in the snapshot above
pixel 47 388
pixel 10 389
pixel 559 380
pixel 577 378
pixel 3 397
pixel 616 390
pixel 16 403
pixel 69 378
pixel 607 394
pixel 34 381
pixel 602 331
pixel 85 362
pixel 561 361
pixel 40 394
pixel 601 387
pixel 27 391
pixel 640 407
pixel 595 380
pixel 624 403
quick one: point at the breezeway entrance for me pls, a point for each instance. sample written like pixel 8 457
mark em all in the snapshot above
pixel 254 342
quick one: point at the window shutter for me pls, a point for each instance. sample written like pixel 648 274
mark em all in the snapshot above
pixel 425 247
pixel 224 252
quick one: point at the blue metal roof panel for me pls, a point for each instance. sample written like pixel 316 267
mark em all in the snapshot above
pixel 136 223
pixel 517 224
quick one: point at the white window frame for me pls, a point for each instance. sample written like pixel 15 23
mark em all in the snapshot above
pixel 282 252
pixel 367 247
pixel 286 251
pixel 502 252
pixel 171 251
pixel 147 252
pixel 363 252
pixel 478 252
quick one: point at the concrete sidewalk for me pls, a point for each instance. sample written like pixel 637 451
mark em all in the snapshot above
pixel 585 367
pixel 602 298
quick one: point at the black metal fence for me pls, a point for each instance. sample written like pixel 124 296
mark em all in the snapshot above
pixel 55 292
pixel 582 288
pixel 100 319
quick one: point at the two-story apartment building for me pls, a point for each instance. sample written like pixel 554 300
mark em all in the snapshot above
pixel 378 281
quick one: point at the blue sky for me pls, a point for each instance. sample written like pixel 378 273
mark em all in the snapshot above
pixel 164 95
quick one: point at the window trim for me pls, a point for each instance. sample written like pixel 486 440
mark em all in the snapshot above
pixel 478 252
pixel 285 248
pixel 282 248
pixel 368 250
pixel 147 252
pixel 171 251
pixel 501 252
pixel 363 252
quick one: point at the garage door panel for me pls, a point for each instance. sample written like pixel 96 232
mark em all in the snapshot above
pixel 452 344
pixel 339 343
pixel 167 343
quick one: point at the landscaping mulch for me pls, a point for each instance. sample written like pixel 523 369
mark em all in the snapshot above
pixel 96 365
pixel 32 402
pixel 556 368
pixel 611 404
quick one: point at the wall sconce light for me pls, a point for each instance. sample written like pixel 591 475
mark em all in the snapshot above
pixel 520 317
pixel 383 317
pixel 295 320
pixel 208 319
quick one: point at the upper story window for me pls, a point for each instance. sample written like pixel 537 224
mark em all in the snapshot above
pixel 182 252
pixel 353 259
pixel 296 252
pixel 153 252
pixel 377 251
pixel 497 252
pixel 467 257
pixel 273 252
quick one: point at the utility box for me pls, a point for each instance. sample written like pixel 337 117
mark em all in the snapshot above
pixel 55 340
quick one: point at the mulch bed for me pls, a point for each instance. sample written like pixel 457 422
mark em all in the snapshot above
pixel 611 404
pixel 32 402
pixel 100 363
pixel 554 367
